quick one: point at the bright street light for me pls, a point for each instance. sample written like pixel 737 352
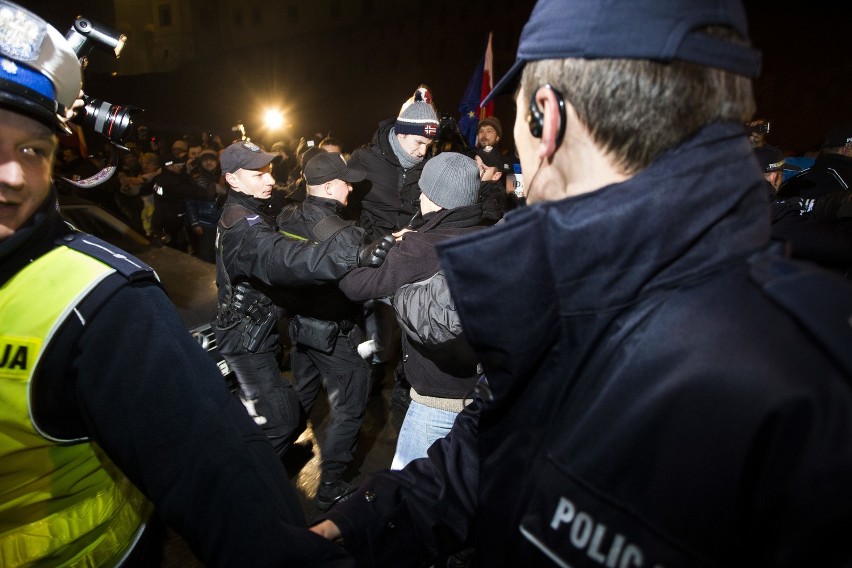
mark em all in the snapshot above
pixel 273 119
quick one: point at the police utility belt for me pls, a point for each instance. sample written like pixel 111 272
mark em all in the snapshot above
pixel 249 312
pixel 318 334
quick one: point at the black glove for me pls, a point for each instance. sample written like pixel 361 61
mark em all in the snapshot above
pixel 374 254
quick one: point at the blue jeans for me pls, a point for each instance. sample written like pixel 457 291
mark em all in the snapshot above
pixel 420 428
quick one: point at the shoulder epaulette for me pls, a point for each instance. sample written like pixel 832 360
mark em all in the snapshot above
pixel 232 213
pixel 329 226
pixel 131 267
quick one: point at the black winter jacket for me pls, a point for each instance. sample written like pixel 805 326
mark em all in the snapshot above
pixel 390 196
pixel 444 372
pixel 302 222
pixel 663 388
pixel 250 249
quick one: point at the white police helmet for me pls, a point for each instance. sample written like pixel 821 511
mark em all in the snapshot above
pixel 40 75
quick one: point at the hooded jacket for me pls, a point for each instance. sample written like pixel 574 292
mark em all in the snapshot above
pixel 663 388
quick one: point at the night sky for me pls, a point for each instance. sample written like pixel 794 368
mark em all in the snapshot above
pixel 804 87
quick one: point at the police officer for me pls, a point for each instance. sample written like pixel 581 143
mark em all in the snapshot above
pixel 664 388
pixel 110 410
pixel 252 259
pixel 325 327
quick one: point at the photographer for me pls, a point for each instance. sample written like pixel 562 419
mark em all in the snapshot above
pixel 102 443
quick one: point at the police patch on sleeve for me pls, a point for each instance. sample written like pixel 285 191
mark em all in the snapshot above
pixel 577 528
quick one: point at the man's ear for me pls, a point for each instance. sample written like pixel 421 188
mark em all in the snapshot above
pixel 553 115
pixel 498 175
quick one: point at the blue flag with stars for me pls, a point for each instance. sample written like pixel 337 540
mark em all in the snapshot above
pixel 478 86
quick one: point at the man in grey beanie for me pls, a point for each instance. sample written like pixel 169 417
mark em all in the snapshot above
pixel 441 377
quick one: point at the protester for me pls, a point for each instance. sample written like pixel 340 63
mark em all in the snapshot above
pixel 103 439
pixel 393 162
pixel 489 131
pixel 388 201
pixel 494 193
pixel 442 376
pixel 663 387
pixel 203 212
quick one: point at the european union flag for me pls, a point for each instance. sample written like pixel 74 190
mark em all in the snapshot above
pixel 480 84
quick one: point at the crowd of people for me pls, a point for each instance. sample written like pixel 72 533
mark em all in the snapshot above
pixel 643 358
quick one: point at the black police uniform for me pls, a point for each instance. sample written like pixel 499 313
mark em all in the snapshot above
pixel 675 401
pixel 252 257
pixel 325 330
pixel 109 376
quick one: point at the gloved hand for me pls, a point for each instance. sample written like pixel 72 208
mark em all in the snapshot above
pixel 374 254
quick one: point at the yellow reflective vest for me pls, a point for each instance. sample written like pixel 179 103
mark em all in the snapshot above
pixel 62 502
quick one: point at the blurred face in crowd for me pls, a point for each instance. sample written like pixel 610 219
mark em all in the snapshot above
pixel 414 145
pixel 257 183
pixel 149 163
pixel 487 136
pixel 130 160
pixel 209 162
pixel 280 149
pixel 331 148
pixel 27 150
pixel 193 152
pixel 69 155
pixel 487 173
pixel 180 150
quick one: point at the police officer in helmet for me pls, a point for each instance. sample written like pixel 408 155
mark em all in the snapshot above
pixel 115 422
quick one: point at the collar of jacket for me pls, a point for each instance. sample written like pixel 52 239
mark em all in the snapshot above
pixel 250 202
pixel 334 206
pixel 381 144
pixel 697 208
pixel 841 163
pixel 33 239
pixel 459 217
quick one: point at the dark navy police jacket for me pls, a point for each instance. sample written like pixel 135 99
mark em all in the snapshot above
pixel 664 388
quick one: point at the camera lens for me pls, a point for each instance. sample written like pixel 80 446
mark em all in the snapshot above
pixel 113 121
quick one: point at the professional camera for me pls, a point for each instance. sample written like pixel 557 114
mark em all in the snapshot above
pixel 113 121
pixel 449 138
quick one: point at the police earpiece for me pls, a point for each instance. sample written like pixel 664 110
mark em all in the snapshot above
pixel 535 117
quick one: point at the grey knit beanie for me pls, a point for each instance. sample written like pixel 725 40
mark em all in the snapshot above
pixel 418 116
pixel 450 180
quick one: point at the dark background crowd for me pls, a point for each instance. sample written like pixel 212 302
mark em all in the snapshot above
pixel 801 86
